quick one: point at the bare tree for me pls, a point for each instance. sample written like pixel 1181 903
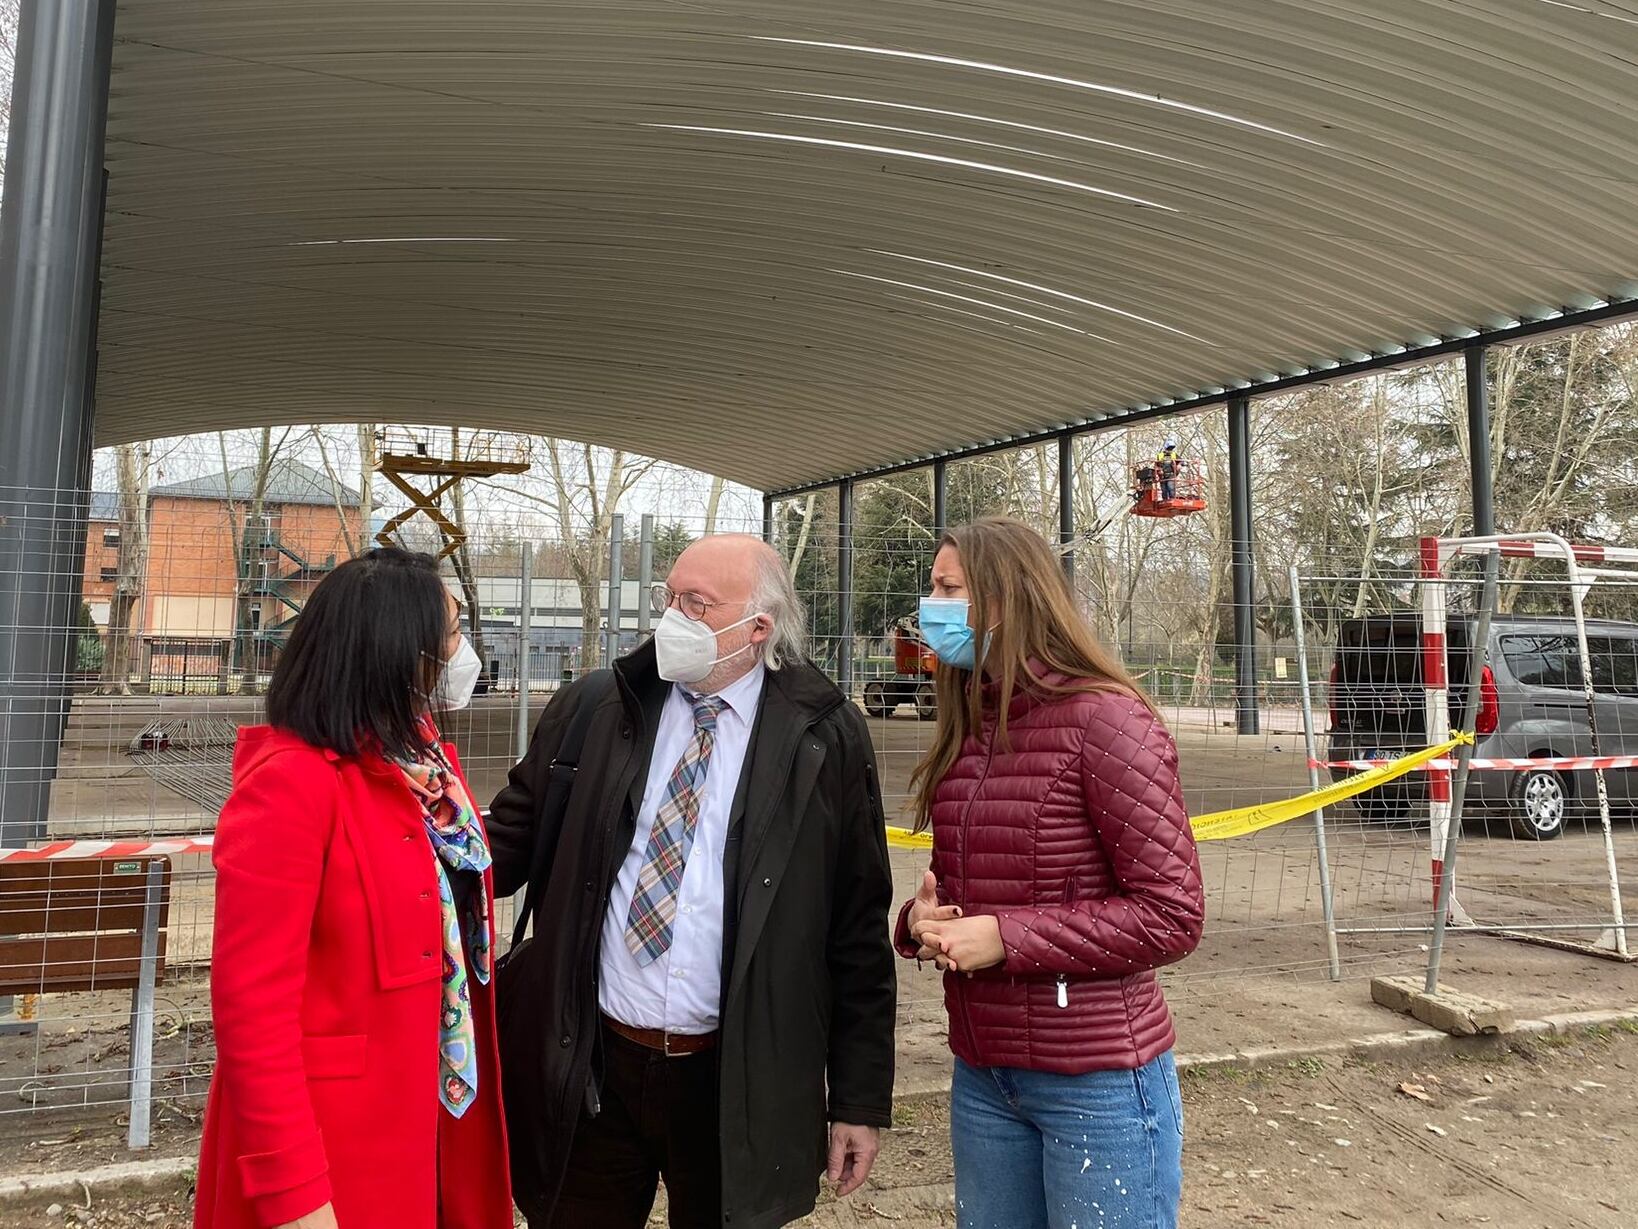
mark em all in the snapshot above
pixel 582 490
pixel 132 464
pixel 354 533
pixel 587 501
pixel 1340 488
pixel 10 10
pixel 250 532
pixel 1113 548
pixel 1560 408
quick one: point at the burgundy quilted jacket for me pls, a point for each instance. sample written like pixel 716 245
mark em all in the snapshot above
pixel 1075 837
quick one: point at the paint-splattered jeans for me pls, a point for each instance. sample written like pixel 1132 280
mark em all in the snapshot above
pixel 1040 1151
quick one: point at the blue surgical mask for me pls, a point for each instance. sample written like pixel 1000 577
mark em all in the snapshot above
pixel 944 625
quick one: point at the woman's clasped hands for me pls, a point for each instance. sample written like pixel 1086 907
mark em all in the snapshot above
pixel 952 942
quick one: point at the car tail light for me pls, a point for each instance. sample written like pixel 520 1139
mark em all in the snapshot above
pixel 1489 704
pixel 1331 692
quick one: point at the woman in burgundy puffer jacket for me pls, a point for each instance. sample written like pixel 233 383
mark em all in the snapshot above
pixel 1064 874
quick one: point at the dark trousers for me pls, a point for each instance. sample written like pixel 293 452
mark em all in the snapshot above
pixel 658 1119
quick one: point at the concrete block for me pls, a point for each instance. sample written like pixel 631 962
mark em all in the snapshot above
pixel 1462 1015
pixel 1450 1011
pixel 1395 993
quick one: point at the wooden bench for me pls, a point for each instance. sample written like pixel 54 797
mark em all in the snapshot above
pixel 77 924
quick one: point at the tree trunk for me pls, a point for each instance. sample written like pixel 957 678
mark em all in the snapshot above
pixel 470 599
pixel 1046 494
pixel 461 557
pixel 801 546
pixel 1219 562
pixel 591 619
pixel 131 462
pixel 352 532
pixel 251 554
pixel 1205 661
pixel 367 462
pixel 713 502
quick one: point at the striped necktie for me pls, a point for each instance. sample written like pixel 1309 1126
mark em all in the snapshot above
pixel 654 904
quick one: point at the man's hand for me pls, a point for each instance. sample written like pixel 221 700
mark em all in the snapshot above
pixel 324 1218
pixel 852 1153
pixel 963 944
pixel 925 908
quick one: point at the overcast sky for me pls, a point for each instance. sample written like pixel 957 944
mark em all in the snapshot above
pixel 669 492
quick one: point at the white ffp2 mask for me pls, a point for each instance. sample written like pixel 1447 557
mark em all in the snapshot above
pixel 459 679
pixel 685 650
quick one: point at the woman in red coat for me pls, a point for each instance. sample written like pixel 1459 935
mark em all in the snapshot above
pixel 357 1080
pixel 1064 873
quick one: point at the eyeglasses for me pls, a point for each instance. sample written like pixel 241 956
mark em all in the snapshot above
pixel 662 598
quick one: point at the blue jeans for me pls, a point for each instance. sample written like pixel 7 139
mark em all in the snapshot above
pixel 1035 1150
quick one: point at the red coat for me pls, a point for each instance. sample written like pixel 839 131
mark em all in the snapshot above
pixel 325 993
pixel 1076 839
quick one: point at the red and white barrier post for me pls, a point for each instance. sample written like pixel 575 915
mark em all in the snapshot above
pixel 1436 703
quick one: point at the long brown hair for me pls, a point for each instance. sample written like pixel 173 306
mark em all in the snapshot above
pixel 1017 589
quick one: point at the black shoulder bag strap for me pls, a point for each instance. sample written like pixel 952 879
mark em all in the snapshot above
pixel 559 786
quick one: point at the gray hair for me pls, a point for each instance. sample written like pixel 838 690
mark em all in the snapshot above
pixel 773 594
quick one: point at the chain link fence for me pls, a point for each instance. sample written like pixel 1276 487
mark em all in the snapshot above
pixel 192 578
pixel 1538 861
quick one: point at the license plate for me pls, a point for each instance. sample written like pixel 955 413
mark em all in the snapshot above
pixel 1375 753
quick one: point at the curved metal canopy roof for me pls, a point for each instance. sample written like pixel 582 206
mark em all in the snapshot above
pixel 784 240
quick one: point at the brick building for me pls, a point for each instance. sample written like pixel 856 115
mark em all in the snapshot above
pixel 204 535
pixel 101 555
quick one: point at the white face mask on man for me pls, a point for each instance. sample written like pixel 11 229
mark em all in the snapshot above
pixel 685 649
pixel 459 679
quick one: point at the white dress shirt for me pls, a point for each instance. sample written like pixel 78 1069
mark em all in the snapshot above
pixel 681 991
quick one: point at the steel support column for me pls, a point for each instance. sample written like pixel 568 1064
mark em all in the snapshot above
pixel 1066 501
pixel 1478 437
pixel 1245 612
pixel 50 242
pixel 768 519
pixel 844 586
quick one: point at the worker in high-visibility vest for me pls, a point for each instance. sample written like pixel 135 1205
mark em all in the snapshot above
pixel 1168 461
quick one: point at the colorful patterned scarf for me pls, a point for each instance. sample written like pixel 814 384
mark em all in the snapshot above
pixel 458 843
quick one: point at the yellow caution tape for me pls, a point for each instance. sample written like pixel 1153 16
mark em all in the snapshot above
pixel 1220 825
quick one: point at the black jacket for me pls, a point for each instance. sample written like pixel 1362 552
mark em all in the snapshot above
pixel 808 982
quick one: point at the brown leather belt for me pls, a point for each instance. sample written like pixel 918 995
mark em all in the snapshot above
pixel 672 1045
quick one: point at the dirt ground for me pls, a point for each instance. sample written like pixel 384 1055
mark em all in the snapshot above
pixel 1536 1135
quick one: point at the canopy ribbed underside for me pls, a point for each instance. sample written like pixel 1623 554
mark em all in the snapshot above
pixel 788 241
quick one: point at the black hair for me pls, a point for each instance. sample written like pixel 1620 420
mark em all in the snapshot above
pixel 364 655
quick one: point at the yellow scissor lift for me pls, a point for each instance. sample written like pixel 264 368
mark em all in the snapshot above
pixel 403 455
